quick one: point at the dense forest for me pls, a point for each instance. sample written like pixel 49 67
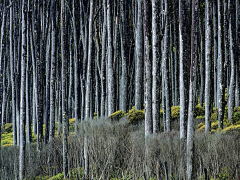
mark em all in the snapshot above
pixel 120 89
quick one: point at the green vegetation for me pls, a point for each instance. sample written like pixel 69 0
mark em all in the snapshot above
pixel 135 115
pixel 117 115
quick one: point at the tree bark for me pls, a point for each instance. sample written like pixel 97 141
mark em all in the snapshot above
pixel 111 79
pixel 89 66
pixel 208 63
pixel 191 107
pixel 53 72
pixel 22 94
pixel 147 70
pixel 156 67
pixel 64 103
pixel 139 59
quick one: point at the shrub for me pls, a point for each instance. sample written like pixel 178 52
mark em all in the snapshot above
pixel 231 128
pixel 71 121
pixel 175 112
pixel 117 115
pixel 200 125
pixel 214 125
pixel 236 117
pixel 214 116
pixel 135 115
pixel 200 117
pixel 226 123
pixel 224 174
pixel 199 111
pixel 8 128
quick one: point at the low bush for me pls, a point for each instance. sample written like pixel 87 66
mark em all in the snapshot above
pixel 117 115
pixel 135 116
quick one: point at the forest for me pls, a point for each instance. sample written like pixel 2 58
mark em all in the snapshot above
pixel 119 89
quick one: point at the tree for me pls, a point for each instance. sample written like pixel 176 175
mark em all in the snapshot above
pixel 147 70
pixel 22 94
pixel 139 58
pixel 53 72
pixel 88 112
pixel 191 106
pixel 208 69
pixel 220 73
pixel 12 77
pixel 64 103
pixel 156 67
pixel 111 79
pixel 232 51
pixel 165 65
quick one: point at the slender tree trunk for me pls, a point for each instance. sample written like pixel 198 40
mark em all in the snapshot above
pixel 165 64
pixel 139 59
pixel 237 91
pixel 103 60
pixel 53 72
pixel 64 103
pixel 22 94
pixel 12 77
pixel 147 70
pixel 231 100
pixel 183 44
pixel 220 73
pixel 156 67
pixel 215 45
pixel 89 66
pixel 47 92
pixel 208 63
pixel 76 73
pixel 111 79
pixel 124 54
pixel 191 107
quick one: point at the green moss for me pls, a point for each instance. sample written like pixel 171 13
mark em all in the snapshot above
pixel 117 115
pixel 135 115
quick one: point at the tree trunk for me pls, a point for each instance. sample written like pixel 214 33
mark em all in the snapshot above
pixel 147 70
pixel 220 74
pixel 53 72
pixel 64 103
pixel 12 77
pixel 139 59
pixel 22 94
pixel 215 45
pixel 208 63
pixel 124 53
pixel 89 66
pixel 111 79
pixel 156 67
pixel 165 64
pixel 231 100
pixel 191 107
